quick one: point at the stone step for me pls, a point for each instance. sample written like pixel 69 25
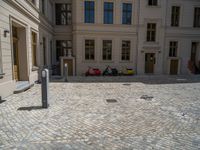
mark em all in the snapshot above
pixel 22 86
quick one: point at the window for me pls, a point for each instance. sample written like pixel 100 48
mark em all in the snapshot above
pixel 173 48
pixel 153 2
pixel 34 49
pixel 126 47
pixel 151 32
pixel 107 50
pixel 127 13
pixel 194 51
pixel 108 13
pixel 43 6
pixel 175 18
pixel 63 48
pixel 89 49
pixel 197 17
pixel 63 14
pixel 89 12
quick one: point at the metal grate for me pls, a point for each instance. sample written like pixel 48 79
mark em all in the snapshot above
pixel 111 100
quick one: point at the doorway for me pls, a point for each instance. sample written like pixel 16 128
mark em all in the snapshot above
pixel 19 51
pixel 16 59
pixel 69 63
pixel 174 67
pixel 149 63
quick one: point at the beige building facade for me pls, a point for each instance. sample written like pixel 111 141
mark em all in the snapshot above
pixel 149 36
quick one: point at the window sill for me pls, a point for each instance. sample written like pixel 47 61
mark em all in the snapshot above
pixel 153 6
pixel 89 61
pixel 35 68
pixel 125 61
pixel 107 61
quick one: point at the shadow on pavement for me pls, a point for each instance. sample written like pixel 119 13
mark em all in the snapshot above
pixel 30 108
pixel 2 101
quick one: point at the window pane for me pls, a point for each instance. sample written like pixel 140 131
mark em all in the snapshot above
pixel 63 14
pixel 89 12
pixel 63 47
pixel 173 49
pixel 89 49
pixel 108 13
pixel 127 13
pixel 107 50
pixel 151 32
pixel 126 50
pixel 175 16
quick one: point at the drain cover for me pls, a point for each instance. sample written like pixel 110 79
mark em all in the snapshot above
pixel 111 101
pixel 127 84
pixel 146 97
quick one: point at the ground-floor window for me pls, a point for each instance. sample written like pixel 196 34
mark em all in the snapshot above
pixel 89 49
pixel 107 49
pixel 173 48
pixel 194 51
pixel 63 47
pixel 34 49
pixel 126 47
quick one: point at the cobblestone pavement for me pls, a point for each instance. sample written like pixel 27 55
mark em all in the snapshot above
pixel 79 117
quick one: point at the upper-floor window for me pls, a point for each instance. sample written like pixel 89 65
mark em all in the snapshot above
pixel 34 49
pixel 126 48
pixel 89 11
pixel 127 13
pixel 151 32
pixel 152 2
pixel 197 17
pixel 173 48
pixel 63 47
pixel 63 14
pixel 107 50
pixel 108 12
pixel 175 16
pixel 43 6
pixel 89 49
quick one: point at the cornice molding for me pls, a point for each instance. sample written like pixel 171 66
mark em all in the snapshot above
pixel 23 10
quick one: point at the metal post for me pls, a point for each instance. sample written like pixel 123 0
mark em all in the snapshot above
pixel 45 88
pixel 66 72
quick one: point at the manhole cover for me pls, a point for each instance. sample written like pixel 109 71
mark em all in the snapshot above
pixel 111 101
pixel 146 97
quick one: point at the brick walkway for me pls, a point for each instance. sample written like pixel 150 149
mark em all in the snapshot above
pixel 80 117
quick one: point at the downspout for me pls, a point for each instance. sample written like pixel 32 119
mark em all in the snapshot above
pixel 137 30
pixel 164 44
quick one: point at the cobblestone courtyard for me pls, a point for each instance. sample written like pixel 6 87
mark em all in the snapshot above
pixel 79 117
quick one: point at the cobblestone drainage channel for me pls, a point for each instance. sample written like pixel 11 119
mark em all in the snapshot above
pixel 146 97
pixel 111 100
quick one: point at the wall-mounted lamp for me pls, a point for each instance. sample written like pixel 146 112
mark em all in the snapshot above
pixel 6 32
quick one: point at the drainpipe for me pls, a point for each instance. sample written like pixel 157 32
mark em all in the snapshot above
pixel 137 30
pixel 164 44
